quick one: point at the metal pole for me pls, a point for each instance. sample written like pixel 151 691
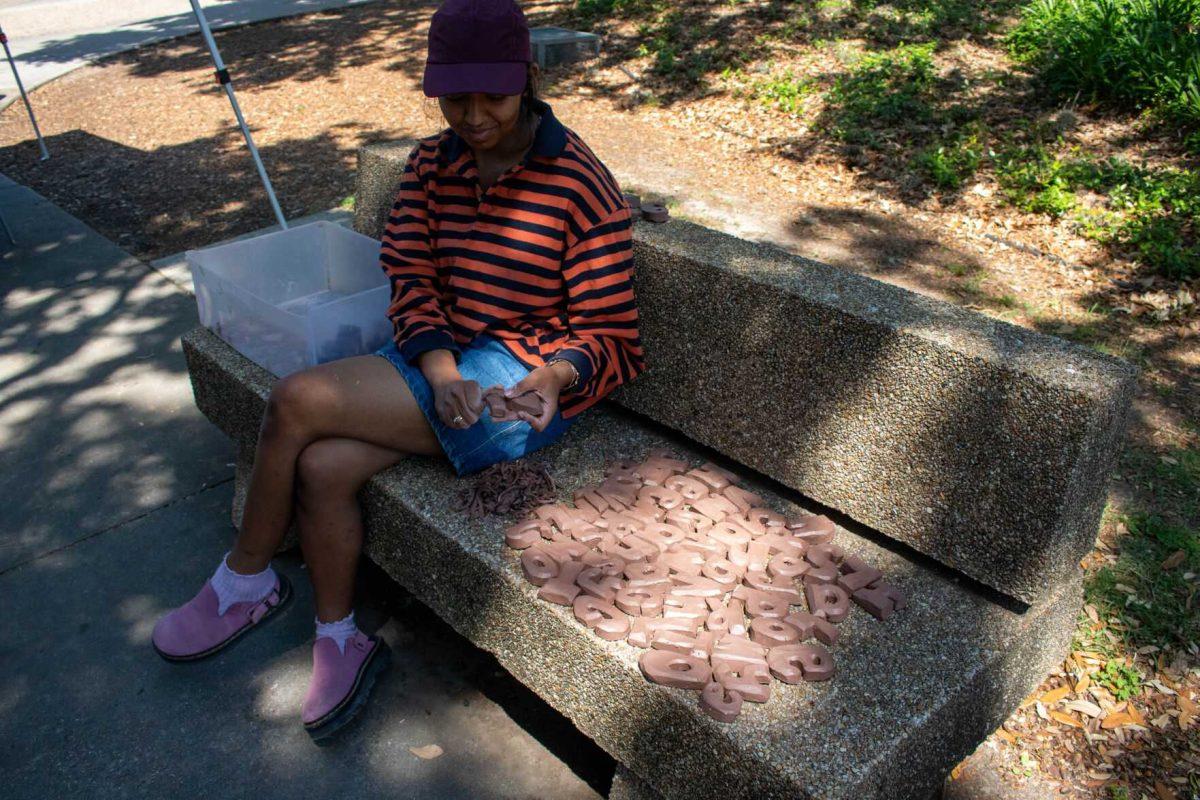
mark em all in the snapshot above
pixel 25 97
pixel 224 80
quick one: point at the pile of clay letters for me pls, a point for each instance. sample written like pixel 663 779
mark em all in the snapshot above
pixel 693 567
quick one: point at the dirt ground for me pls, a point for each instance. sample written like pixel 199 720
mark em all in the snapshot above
pixel 146 150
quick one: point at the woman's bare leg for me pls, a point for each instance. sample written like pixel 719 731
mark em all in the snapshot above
pixel 362 398
pixel 329 474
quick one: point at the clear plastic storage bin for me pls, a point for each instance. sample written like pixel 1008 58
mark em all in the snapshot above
pixel 295 298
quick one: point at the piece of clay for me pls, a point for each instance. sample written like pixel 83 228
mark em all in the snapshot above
pixel 744 499
pixel 609 565
pixel 591 498
pixel 647 573
pixel 825 554
pixel 813 529
pixel 762 604
pixel 695 586
pixel 623 523
pixel 661 496
pixel 765 518
pixel 663 535
pixel 809 626
pixel 632 548
pixel 793 663
pixel 757 556
pixel 722 571
pixel 603 618
pixel 526 533
pixel 720 703
pixel 634 202
pixel 828 600
pixel 752 680
pixel 782 588
pixel 706 549
pixel 624 466
pixel 689 487
pixel 729 619
pixel 538 565
pixel 857 574
pixel 675 669
pixel 881 600
pixel 561 589
pixel 717 478
pixel 594 582
pixel 729 533
pixel 684 562
pixel 643 629
pixel 787 566
pixel 640 601
pixel 564 549
pixel 772 632
pixel 715 507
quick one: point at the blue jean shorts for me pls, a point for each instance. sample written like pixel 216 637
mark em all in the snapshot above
pixel 487 361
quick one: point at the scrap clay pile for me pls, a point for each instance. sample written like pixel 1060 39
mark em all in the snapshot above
pixel 721 591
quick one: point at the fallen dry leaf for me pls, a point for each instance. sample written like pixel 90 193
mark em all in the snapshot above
pixel 1164 792
pixel 427 752
pixel 1084 707
pixel 1172 561
pixel 1065 719
pixel 1006 736
pixel 1187 710
pixel 1113 721
pixel 1083 684
pixel 1054 695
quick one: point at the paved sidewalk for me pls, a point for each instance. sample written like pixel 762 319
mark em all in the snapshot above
pixel 117 497
pixel 49 38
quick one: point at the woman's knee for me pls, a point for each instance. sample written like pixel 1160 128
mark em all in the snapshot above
pixel 296 404
pixel 325 468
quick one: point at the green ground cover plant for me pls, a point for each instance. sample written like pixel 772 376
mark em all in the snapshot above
pixel 1141 54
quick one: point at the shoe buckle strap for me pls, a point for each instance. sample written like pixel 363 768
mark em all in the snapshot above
pixel 268 602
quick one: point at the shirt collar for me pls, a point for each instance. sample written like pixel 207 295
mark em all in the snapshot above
pixel 550 138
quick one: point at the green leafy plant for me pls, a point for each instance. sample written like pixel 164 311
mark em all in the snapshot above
pixel 1122 680
pixel 881 90
pixel 953 161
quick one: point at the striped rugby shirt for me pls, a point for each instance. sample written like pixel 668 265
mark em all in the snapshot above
pixel 542 259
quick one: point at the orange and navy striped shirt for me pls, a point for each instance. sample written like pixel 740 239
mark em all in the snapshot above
pixel 542 259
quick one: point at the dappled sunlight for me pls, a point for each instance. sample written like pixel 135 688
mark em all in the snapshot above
pixel 139 613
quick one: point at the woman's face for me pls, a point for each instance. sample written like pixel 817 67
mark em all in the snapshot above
pixel 483 120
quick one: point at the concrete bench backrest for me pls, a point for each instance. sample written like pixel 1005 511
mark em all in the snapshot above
pixel 981 444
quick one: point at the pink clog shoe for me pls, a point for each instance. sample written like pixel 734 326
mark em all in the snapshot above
pixel 341 682
pixel 195 630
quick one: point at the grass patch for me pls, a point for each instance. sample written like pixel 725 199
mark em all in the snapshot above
pixel 786 93
pixel 1151 213
pixel 1141 54
pixel 882 90
pixel 1155 606
pixel 347 202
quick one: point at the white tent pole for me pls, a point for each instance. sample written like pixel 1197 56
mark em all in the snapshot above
pixel 25 97
pixel 224 80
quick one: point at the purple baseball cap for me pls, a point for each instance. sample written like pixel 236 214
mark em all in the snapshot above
pixel 477 46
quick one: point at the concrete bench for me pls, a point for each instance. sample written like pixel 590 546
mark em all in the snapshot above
pixel 875 401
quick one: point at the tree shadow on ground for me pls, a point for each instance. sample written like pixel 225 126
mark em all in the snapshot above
pixel 139 213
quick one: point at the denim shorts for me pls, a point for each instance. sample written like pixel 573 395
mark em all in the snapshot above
pixel 487 361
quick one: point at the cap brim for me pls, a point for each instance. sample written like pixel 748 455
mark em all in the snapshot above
pixel 502 77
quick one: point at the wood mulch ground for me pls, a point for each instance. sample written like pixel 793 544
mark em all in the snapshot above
pixel 146 151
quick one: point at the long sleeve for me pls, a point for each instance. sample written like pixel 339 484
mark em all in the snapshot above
pixel 604 344
pixel 406 258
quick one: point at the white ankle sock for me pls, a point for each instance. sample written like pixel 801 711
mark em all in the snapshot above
pixel 232 587
pixel 339 631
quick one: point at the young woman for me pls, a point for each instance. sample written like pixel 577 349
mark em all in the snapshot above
pixel 509 252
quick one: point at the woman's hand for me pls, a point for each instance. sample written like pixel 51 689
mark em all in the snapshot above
pixel 550 380
pixel 456 397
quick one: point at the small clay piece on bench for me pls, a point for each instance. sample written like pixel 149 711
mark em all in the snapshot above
pixel 595 583
pixel 675 669
pixel 881 600
pixel 729 533
pixel 744 499
pixel 609 565
pixel 787 566
pixel 643 629
pixel 683 562
pixel 562 589
pixel 660 496
pixel 624 466
pixel 538 565
pixel 737 648
pixel 797 662
pixel 647 573
pixel 720 703
pixel 825 559
pixel 716 477
pixel 663 535
pixel 782 588
pixel 715 507
pixel 758 553
pixel 722 571
pixel 815 529
pixel 857 574
pixel 750 679
pixel 640 601
pixel 603 618
pixel 828 600
pixel 655 212
pixel 695 586
pixel 690 488
pixel 763 604
pixel 809 626
pixel 784 544
pixel 772 632
pixel 765 518
pixel 729 619
pixel 526 533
